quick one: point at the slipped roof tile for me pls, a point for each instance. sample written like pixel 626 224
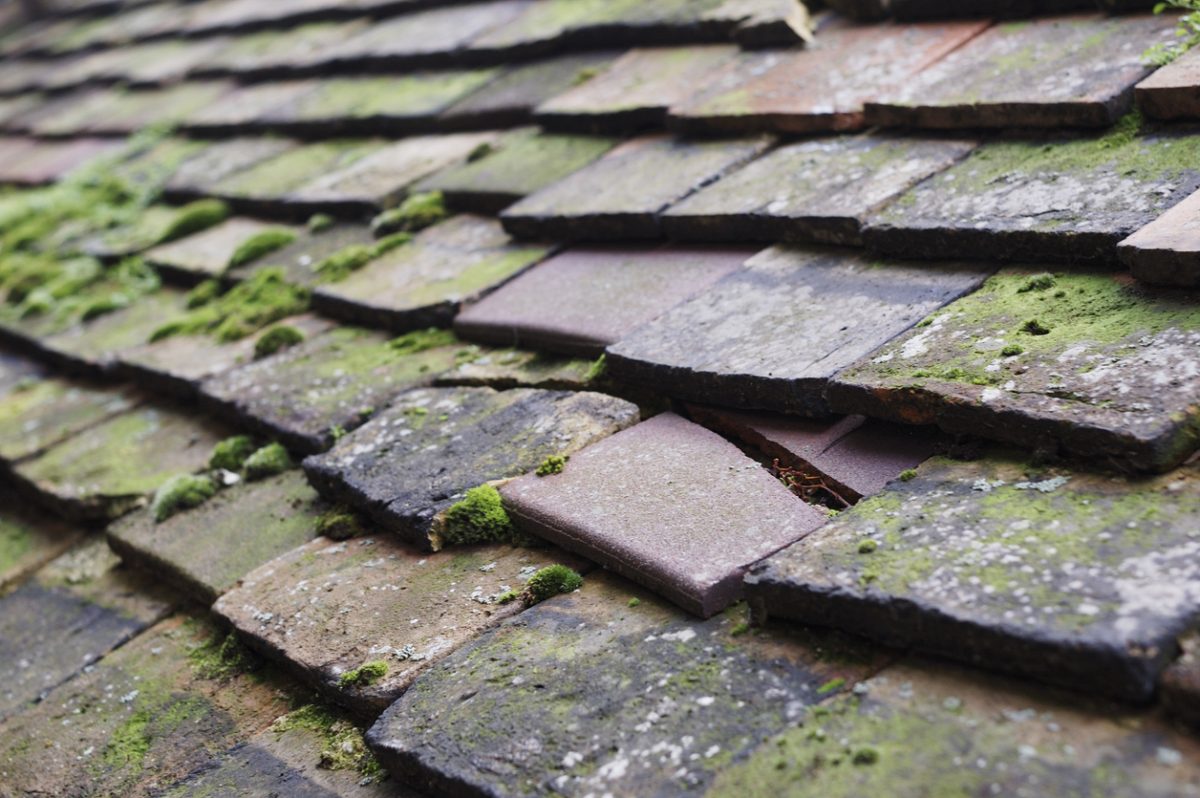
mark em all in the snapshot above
pixel 1170 93
pixel 1167 250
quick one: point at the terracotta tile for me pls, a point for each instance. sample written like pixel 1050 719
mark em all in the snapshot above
pixel 1170 93
pixel 1165 252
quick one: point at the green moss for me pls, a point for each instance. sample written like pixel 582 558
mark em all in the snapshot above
pixel 831 686
pixel 266 462
pixel 596 370
pixel 181 493
pixel 194 217
pixel 551 581
pixel 481 151
pixel 868 546
pixel 244 309
pixel 341 264
pixel 203 293
pixel 507 597
pixel 341 743
pixel 1038 282
pixel 231 453
pixel 908 474
pixel 422 340
pixel 222 658
pixel 129 743
pixel 415 213
pixel 740 628
pixel 1012 350
pixel 260 244
pixel 364 675
pixel 554 464
pixel 1035 327
pixel 339 524
pixel 276 339
pixel 635 602
pixel 319 223
pixel 478 518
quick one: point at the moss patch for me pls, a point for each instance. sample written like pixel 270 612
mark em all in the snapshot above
pixel 415 213
pixel 180 493
pixel 478 518
pixel 341 264
pixel 364 675
pixel 276 339
pixel 222 658
pixel 266 462
pixel 554 464
pixel 261 244
pixel 342 746
pixel 242 310
pixel 231 453
pixel 194 217
pixel 551 581
pixel 339 524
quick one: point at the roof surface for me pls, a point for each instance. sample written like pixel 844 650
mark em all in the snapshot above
pixel 599 398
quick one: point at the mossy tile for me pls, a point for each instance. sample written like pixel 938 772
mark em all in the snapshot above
pixel 134 110
pixel 49 161
pixel 208 253
pixel 620 195
pixel 145 231
pixel 28 539
pixel 514 368
pixel 205 551
pixel 311 394
pixel 771 335
pixel 821 190
pixel 244 108
pixel 425 282
pixel 112 467
pixel 161 707
pixel 594 693
pixel 275 177
pixel 214 161
pixel 1071 579
pixel 269 51
pixel 241 15
pixel 44 412
pixel 417 458
pixel 328 608
pixel 299 260
pixel 1091 365
pixel 924 729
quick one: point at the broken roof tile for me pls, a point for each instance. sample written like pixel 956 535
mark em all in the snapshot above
pixel 667 504
pixel 582 300
pixel 415 459
pixel 820 190
pixel 1089 364
pixel 771 335
pixel 621 195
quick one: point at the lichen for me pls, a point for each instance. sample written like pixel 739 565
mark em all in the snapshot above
pixel 231 453
pixel 478 518
pixel 364 675
pixel 339 524
pixel 179 493
pixel 266 462
pixel 415 213
pixel 554 464
pixel 249 306
pixel 260 244
pixel 551 581
pixel 194 217
pixel 276 339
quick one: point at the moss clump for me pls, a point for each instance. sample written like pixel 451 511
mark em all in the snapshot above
pixel 1038 282
pixel 867 755
pixel 831 686
pixel 908 474
pixel 194 217
pixel 342 744
pixel 422 340
pixel 204 293
pixel 868 547
pixel 551 581
pixel 507 597
pixel 222 658
pixel 479 518
pixel 739 629
pixel 1035 327
pixel 481 151
pixel 1012 350
pixel 596 370
pixel 364 675
pixel 635 602
pixel 243 310
pixel 260 244
pixel 266 462
pixel 554 464
pixel 339 524
pixel 181 493
pixel 341 264
pixel 231 453
pixel 278 338
pixel 320 222
pixel 415 213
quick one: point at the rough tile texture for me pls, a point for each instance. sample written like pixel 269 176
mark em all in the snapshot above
pixel 1170 93
pixel 1077 580
pixel 652 703
pixel 327 608
pixel 513 368
pixel 770 336
pixel 1088 364
pixel 44 412
pixel 582 300
pixel 266 182
pixel 1076 71
pixel 300 258
pixel 820 190
pixel 206 551
pixel 308 395
pixel 207 253
pixel 424 282
pixel 1055 200
pixel 28 539
pixel 668 504
pixel 1167 251
pixel 620 195
pixel 421 455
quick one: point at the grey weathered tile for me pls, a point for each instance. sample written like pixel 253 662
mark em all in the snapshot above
pixel 1091 365
pixel 245 107
pixel 281 51
pixel 1167 250
pixel 207 254
pixel 621 195
pixel 772 335
pixel 582 300
pixel 1077 580
pixel 819 190
pixel 268 181
pixel 217 160
pixel 43 412
pixel 300 259
pixel 28 539
pixel 668 504
pixel 417 458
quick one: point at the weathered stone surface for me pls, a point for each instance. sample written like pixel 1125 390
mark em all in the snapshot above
pixel 1076 580
pixel 1093 365
pixel 771 335
pixel 423 283
pixel 513 368
pixel 853 456
pixel 1167 251
pixel 28 539
pixel 163 62
pixel 310 394
pixel 1170 93
pixel 635 91
pixel 137 109
pixel 582 300
pixel 1057 200
pixel 73 613
pixel 198 174
pixel 923 729
pixel 207 253
pixel 280 52
pixel 269 180
pixel 418 457
pixel 44 412
pixel 668 504
pixel 110 468
pixel 515 166
pixel 1075 71
pixel 620 195
pixel 819 190
pixel 327 608
pixel 157 709
pixel 245 107
pixel 587 695
pixel 48 161
pixel 300 258
pixel 206 551
pixel 380 180
pixel 822 87
pixel 179 364
pixel 1180 683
